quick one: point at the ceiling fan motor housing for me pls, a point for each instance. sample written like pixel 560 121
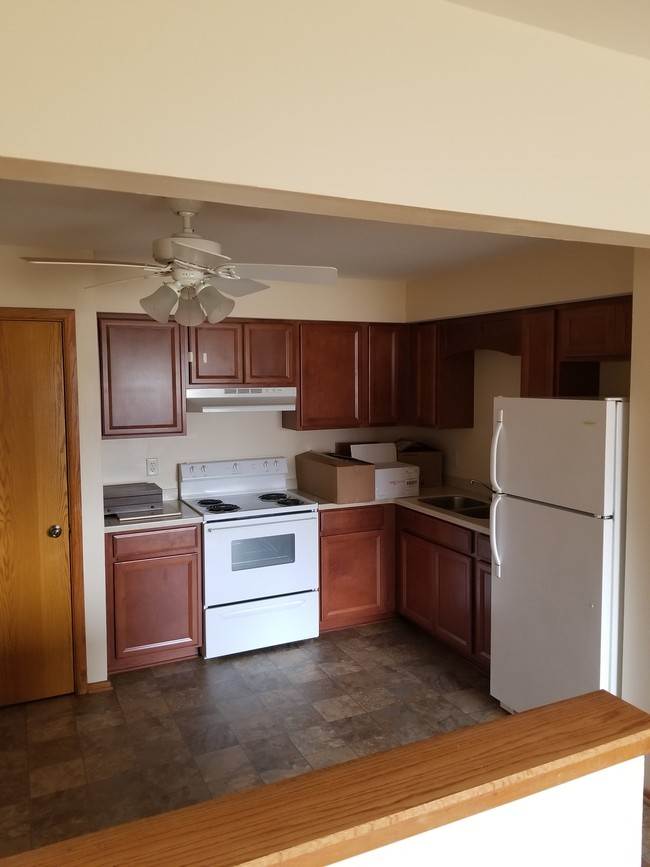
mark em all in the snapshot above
pixel 162 247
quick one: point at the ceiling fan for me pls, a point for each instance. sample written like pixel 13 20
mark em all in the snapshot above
pixel 196 274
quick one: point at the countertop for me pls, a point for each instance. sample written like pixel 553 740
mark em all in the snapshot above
pixel 189 516
pixel 480 525
pixel 169 518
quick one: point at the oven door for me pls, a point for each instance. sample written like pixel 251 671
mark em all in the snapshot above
pixel 256 558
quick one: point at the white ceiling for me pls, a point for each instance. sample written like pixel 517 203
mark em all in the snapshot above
pixel 117 225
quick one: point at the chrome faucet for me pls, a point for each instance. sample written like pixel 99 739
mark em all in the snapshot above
pixel 483 485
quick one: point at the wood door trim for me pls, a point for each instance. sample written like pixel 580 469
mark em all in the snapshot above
pixel 67 320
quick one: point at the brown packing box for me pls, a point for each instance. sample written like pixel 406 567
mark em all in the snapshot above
pixel 430 464
pixel 335 478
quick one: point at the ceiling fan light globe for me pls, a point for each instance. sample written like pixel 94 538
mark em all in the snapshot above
pixel 216 305
pixel 160 304
pixel 189 311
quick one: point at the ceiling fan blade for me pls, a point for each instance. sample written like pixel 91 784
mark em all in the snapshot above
pixel 40 260
pixel 237 287
pixel 146 276
pixel 197 251
pixel 290 273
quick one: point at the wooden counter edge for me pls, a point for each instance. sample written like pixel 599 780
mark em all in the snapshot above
pixel 357 806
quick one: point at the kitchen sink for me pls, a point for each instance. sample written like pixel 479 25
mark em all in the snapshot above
pixel 453 503
pixel 460 505
pixel 476 511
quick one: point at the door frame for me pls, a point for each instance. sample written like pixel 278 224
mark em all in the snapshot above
pixel 66 318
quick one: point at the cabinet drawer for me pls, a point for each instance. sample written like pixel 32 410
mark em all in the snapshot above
pixel 435 530
pixel 483 549
pixel 352 520
pixel 155 543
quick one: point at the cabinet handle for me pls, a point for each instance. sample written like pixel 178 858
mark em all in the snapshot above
pixel 205 358
pixel 54 531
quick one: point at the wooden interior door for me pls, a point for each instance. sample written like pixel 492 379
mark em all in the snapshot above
pixel 36 631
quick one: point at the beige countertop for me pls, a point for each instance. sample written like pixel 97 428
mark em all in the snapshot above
pixel 169 518
pixel 481 525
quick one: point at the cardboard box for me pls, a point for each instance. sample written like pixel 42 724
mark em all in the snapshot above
pixel 393 478
pixel 430 464
pixel 336 478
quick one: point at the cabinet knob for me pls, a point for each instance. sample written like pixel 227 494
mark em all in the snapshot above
pixel 54 531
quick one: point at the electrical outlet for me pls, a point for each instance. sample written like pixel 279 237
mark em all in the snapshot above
pixel 152 466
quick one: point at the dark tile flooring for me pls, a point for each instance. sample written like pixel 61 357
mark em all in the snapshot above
pixel 179 734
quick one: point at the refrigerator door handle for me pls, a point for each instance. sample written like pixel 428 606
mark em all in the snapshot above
pixel 494 453
pixel 494 543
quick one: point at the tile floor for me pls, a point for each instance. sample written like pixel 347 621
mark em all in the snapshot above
pixel 175 735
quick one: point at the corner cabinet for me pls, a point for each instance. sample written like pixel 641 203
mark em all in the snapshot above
pixel 441 586
pixel 356 565
pixel 234 352
pixel 153 596
pixel 442 377
pixel 142 367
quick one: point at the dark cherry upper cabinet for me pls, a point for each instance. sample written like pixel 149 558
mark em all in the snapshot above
pixel 538 352
pixel 332 372
pixel 387 373
pixel 233 352
pixel 142 366
pixel 595 330
pixel 442 377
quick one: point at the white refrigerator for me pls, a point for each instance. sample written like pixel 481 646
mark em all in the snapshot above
pixel 558 469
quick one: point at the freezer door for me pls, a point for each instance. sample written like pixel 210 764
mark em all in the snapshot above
pixel 565 452
pixel 555 605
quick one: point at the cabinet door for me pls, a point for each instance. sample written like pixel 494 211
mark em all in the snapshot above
pixel 142 375
pixel 217 354
pixel 269 353
pixel 155 610
pixel 357 566
pixel 332 376
pixel 416 570
pixel 452 607
pixel 424 340
pixel 594 331
pixel 538 353
pixel 482 614
pixel 386 374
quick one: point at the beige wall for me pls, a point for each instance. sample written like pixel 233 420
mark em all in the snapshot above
pixel 420 103
pixel 565 272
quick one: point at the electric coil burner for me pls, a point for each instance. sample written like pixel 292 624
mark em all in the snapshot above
pixel 260 554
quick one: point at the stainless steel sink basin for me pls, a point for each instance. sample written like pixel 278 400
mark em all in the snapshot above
pixel 459 505
pixel 452 503
pixel 476 511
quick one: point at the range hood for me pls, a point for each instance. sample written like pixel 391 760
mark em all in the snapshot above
pixel 240 399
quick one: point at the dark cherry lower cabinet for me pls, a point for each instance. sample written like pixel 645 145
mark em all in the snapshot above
pixel 153 589
pixel 441 587
pixel 357 565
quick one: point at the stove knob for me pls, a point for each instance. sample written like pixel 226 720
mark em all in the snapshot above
pixel 235 467
pixel 266 466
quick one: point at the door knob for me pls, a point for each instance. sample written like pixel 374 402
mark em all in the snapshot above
pixel 54 531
